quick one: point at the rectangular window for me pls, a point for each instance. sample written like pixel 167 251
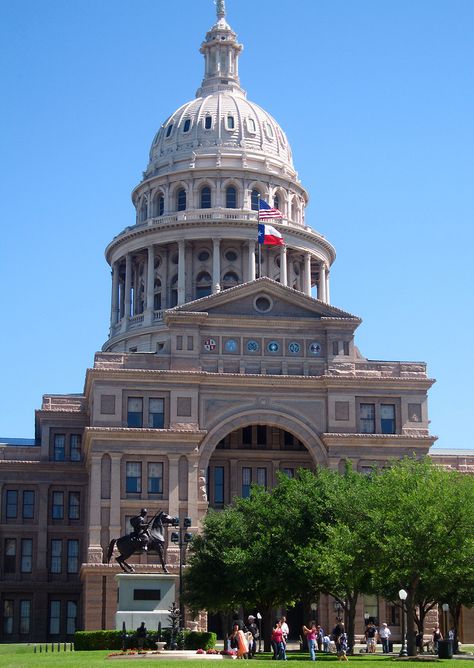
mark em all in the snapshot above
pixel 8 617
pixel 346 347
pixel 371 607
pixel 135 412
pixel 56 556
pixel 11 504
pixel 25 616
pixel 54 617
pixel 72 556
pixel 219 485
pixel 155 478
pixel 262 477
pixel 261 434
pixel 26 555
pixel 9 557
pixel 335 347
pixel 59 447
pixel 387 418
pixel 28 504
pixel 133 483
pixel 71 616
pixel 156 413
pixel 74 503
pixel 367 418
pixel 75 447
pixel 247 436
pixel 246 481
pixel 58 506
pixel 290 473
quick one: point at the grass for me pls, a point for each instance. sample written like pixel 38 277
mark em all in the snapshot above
pixel 23 656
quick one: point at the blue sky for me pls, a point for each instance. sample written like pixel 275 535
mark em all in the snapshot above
pixel 377 100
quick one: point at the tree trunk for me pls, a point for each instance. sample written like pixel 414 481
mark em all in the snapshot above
pixel 267 622
pixel 350 610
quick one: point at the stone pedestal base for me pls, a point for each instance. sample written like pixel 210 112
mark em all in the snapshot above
pixel 144 597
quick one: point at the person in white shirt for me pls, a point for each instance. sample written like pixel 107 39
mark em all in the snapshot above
pixel 284 628
pixel 384 635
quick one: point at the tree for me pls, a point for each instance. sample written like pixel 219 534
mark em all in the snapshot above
pixel 424 515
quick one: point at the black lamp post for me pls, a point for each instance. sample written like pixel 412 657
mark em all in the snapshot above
pixel 402 595
pixel 259 618
pixel 182 537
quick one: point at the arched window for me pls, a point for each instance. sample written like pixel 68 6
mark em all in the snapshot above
pixel 143 210
pixel 169 130
pixel 187 125
pixel 158 205
pixel 276 201
pixel 157 295
pixel 181 200
pixel 205 197
pixel 255 200
pixel 231 197
pixel 294 211
pixel 203 284
pixel 230 279
pixel 174 292
pixel 208 122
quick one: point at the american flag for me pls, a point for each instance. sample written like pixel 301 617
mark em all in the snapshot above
pixel 266 212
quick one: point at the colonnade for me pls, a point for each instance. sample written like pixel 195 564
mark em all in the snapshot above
pixel 135 282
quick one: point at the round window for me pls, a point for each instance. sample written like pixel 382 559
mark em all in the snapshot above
pixel 315 348
pixel 273 347
pixel 294 347
pixel 231 256
pixel 203 256
pixel 253 346
pixel 263 304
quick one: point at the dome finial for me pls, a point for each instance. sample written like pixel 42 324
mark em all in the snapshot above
pixel 220 8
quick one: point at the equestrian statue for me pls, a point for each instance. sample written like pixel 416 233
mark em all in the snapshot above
pixel 147 536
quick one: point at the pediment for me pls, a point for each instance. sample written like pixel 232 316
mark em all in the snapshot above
pixel 264 298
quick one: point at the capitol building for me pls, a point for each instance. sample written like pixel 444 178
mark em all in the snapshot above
pixel 225 364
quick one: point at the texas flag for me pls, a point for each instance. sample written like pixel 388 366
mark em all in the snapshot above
pixel 269 236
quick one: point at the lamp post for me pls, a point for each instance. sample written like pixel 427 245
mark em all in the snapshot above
pixel 338 609
pixel 182 537
pixel 402 595
pixel 314 607
pixel 445 607
pixel 259 618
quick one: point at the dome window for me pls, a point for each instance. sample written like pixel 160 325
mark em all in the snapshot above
pixel 161 205
pixel 169 130
pixel 231 256
pixel 203 256
pixel 203 284
pixel 187 125
pixel 230 123
pixel 231 197
pixel 144 210
pixel 230 279
pixel 276 202
pixel 254 200
pixel 251 127
pixel 208 123
pixel 181 200
pixel 269 130
pixel 206 198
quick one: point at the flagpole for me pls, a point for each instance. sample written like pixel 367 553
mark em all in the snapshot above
pixel 258 241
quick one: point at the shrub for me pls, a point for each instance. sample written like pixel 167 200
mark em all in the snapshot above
pixel 200 640
pixel 90 640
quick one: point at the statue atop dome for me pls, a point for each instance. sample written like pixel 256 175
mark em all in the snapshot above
pixel 220 8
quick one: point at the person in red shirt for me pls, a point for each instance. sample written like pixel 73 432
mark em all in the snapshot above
pixel 312 637
pixel 278 642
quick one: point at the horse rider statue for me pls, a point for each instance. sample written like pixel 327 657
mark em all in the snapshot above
pixel 140 530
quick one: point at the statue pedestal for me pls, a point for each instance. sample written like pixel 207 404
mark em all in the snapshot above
pixel 144 597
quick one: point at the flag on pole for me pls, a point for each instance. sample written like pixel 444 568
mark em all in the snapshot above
pixel 269 236
pixel 266 212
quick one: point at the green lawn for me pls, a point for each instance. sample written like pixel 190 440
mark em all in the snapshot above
pixel 22 656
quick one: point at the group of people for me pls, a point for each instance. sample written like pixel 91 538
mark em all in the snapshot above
pixel 374 634
pixel 317 638
pixel 243 638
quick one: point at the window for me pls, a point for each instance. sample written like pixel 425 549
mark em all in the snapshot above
pixel 72 556
pixel 203 284
pixel 247 436
pixel 261 434
pixel 229 280
pixel 335 347
pixel 276 202
pixel 11 504
pixel 181 200
pixel 8 617
pixel 26 555
pixel 133 483
pixel 219 485
pixel 144 210
pixel 387 418
pixel 54 617
pixel 371 607
pixel 9 557
pixel 25 616
pixel 56 556
pixel 290 473
pixel 71 617
pixel 74 503
pixel 161 205
pixel 75 449
pixel 262 477
pixel 28 504
pixel 230 122
pixel 203 256
pixel 208 122
pixel 59 447
pixel 156 413
pixel 187 125
pixel 205 197
pixel 135 412
pixel 231 197
pixel 255 200
pixel 367 418
pixel 251 125
pixel 155 478
pixel 246 481
pixel 58 506
pixel 169 130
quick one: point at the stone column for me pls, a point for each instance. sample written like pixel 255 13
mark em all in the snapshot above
pixel 322 282
pixel 94 550
pixel 150 284
pixel 181 271
pixel 233 480
pixel 307 274
pixel 128 285
pixel 216 265
pixel 114 312
pixel 115 487
pixel 251 262
pixel 173 485
pixel 164 283
pixel 193 488
pixel 283 266
pixel 328 300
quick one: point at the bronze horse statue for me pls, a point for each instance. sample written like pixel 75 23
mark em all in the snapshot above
pixel 130 544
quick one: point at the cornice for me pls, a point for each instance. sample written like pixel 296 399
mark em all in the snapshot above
pixel 387 440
